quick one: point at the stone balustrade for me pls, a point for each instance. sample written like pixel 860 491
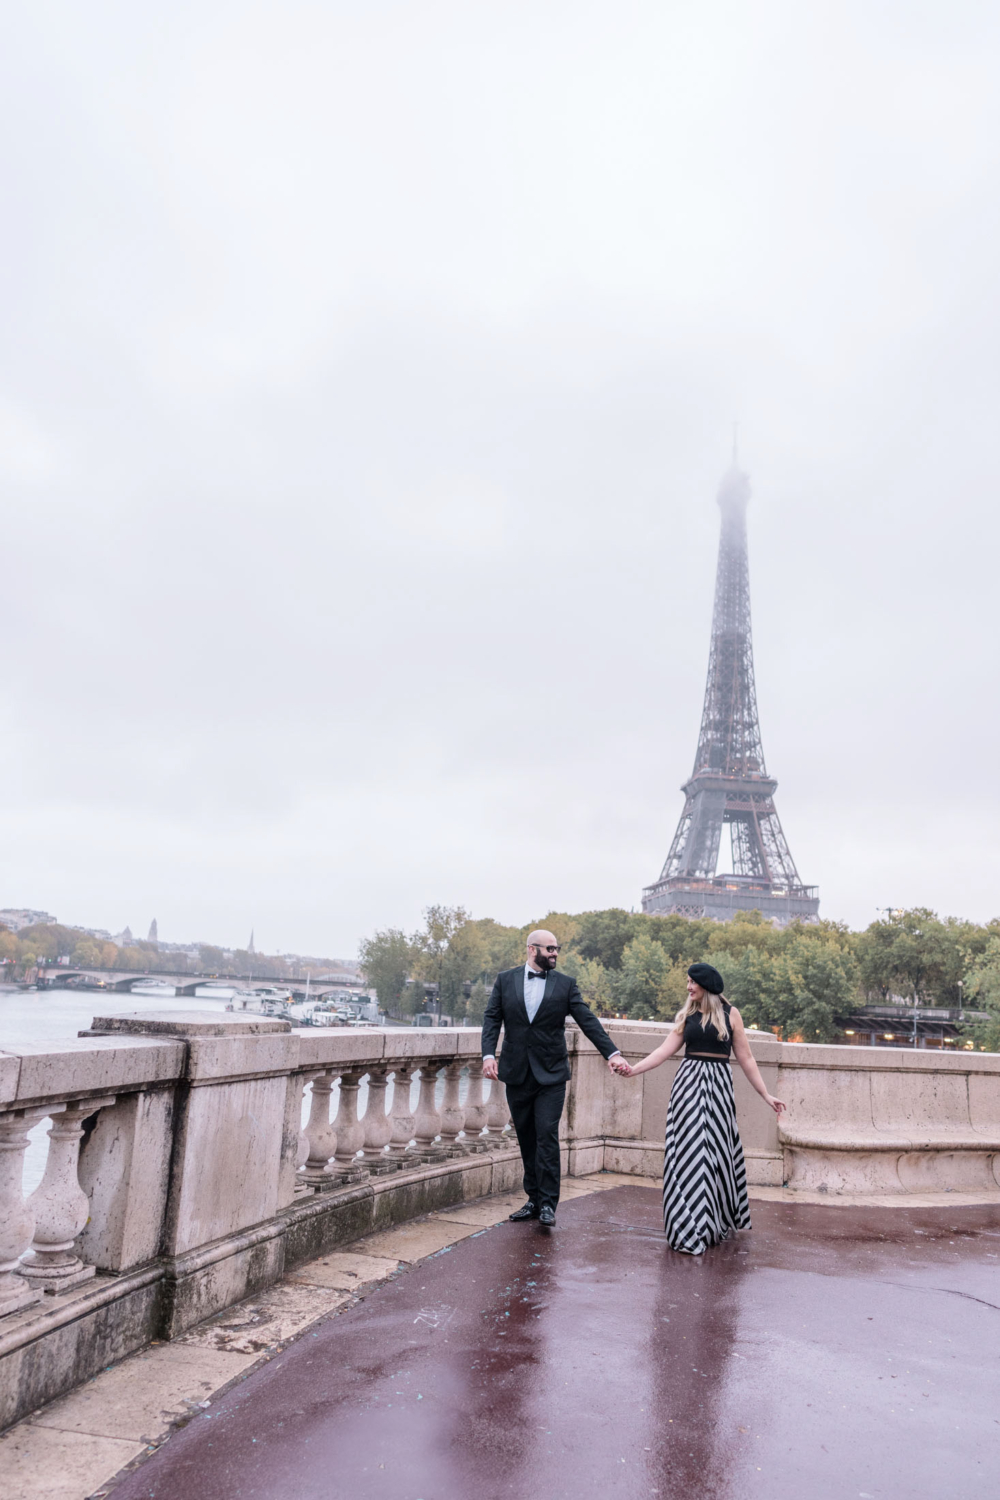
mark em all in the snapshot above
pixel 195 1159
pixel 888 1120
pixel 860 1120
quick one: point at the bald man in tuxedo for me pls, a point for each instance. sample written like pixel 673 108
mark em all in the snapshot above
pixel 531 1004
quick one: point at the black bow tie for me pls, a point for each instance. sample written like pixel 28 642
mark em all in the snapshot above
pixel 533 975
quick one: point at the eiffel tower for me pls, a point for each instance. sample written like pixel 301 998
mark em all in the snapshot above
pixel 730 783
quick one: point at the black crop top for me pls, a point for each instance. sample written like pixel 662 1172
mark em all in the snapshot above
pixel 698 1038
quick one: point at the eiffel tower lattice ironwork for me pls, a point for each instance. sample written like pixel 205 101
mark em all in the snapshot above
pixel 730 784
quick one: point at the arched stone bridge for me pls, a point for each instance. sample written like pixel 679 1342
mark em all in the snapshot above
pixel 52 976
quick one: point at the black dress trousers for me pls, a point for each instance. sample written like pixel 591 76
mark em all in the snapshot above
pixel 536 1109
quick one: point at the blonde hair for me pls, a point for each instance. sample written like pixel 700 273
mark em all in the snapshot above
pixel 709 1007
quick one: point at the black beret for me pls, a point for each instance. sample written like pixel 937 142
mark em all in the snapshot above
pixel 710 979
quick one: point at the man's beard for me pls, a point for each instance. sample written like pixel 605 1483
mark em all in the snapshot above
pixel 546 960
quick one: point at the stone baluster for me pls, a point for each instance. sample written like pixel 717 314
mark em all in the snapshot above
pixel 403 1119
pixel 475 1108
pixel 427 1124
pixel 303 1149
pixel 452 1113
pixel 17 1219
pixel 321 1134
pixel 497 1113
pixel 60 1206
pixel 350 1131
pixel 377 1127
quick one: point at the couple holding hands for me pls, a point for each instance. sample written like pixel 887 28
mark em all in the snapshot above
pixel 704 1178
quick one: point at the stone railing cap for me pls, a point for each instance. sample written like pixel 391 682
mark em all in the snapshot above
pixel 61 1069
pixel 192 1023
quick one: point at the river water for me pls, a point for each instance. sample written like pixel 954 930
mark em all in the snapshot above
pixel 58 1015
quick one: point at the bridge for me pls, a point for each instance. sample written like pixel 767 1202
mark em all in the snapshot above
pixel 232 1281
pixel 63 976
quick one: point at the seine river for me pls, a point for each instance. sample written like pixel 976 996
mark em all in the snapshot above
pixel 57 1015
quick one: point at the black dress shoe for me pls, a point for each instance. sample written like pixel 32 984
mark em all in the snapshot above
pixel 547 1216
pixel 529 1211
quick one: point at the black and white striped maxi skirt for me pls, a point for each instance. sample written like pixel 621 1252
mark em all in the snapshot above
pixel 704 1176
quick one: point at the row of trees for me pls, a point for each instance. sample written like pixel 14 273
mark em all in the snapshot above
pixel 50 941
pixel 453 955
pixel 802 981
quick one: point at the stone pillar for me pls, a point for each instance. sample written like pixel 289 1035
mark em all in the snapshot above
pixel 403 1119
pixel 125 1172
pixel 60 1206
pixel 231 1153
pixel 497 1113
pixel 320 1132
pixel 226 1168
pixel 350 1131
pixel 452 1113
pixel 428 1122
pixel 17 1219
pixel 377 1128
pixel 475 1107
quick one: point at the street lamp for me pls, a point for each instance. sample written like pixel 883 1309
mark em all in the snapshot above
pixel 916 995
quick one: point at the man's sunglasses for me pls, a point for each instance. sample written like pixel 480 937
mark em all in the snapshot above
pixel 547 947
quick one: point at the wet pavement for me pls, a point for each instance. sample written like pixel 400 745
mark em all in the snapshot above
pixel 828 1352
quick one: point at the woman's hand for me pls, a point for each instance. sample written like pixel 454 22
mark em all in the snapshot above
pixel 778 1105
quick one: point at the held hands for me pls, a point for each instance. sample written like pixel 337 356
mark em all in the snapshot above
pixel 616 1064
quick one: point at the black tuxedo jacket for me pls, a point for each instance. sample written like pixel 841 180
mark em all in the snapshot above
pixel 538 1048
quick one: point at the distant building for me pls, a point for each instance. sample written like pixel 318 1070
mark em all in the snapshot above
pixel 153 933
pixel 16 917
pixel 900 1023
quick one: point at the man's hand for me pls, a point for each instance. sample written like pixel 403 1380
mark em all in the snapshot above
pixel 619 1065
pixel 490 1067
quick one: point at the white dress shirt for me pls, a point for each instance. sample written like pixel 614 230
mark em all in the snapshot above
pixel 534 990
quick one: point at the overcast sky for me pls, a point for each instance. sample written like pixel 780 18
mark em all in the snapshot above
pixel 368 374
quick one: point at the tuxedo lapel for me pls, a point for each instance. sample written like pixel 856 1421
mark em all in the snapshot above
pixel 519 989
pixel 549 991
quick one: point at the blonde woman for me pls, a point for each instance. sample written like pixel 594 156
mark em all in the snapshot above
pixel 704 1178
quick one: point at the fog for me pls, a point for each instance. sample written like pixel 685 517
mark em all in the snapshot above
pixel 368 376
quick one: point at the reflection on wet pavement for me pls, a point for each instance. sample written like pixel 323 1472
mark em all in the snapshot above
pixel 829 1352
